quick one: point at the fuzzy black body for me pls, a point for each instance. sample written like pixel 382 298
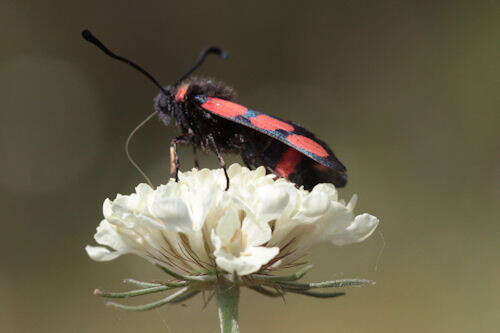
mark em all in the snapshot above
pixel 227 130
pixel 197 125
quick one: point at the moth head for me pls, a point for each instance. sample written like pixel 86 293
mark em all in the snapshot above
pixel 164 106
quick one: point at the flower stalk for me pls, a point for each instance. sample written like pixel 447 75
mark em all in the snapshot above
pixel 227 296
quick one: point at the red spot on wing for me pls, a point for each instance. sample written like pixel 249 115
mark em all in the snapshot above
pixel 305 143
pixel 270 123
pixel 181 93
pixel 224 108
pixel 288 163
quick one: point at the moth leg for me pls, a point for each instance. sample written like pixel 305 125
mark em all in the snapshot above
pixel 190 136
pixel 247 164
pixel 221 160
pixel 246 160
pixel 195 157
pixel 249 154
pixel 175 164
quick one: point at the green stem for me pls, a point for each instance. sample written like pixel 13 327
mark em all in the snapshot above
pixel 227 296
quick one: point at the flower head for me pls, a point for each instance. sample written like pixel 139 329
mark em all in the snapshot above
pixel 197 231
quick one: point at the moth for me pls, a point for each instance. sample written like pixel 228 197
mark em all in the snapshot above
pixel 210 120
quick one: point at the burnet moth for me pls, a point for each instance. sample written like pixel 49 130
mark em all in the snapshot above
pixel 209 120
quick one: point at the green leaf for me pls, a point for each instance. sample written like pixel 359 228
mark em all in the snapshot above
pixel 326 284
pixel 296 276
pixel 140 283
pixel 169 299
pixel 315 294
pixel 132 293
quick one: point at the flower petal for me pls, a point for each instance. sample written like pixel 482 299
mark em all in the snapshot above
pixel 107 235
pixel 255 231
pixel 248 262
pixel 359 230
pixel 228 225
pixel 99 253
pixel 314 205
pixel 172 211
pixel 271 202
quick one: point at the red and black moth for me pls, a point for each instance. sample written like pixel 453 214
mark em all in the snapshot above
pixel 209 119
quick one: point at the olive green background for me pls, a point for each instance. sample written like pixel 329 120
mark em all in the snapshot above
pixel 405 92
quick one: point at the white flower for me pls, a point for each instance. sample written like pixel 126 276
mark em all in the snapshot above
pixel 196 227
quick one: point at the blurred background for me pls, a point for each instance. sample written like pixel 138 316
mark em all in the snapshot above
pixel 406 94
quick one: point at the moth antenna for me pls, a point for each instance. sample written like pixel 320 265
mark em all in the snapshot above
pixel 209 50
pixel 89 37
pixel 127 151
